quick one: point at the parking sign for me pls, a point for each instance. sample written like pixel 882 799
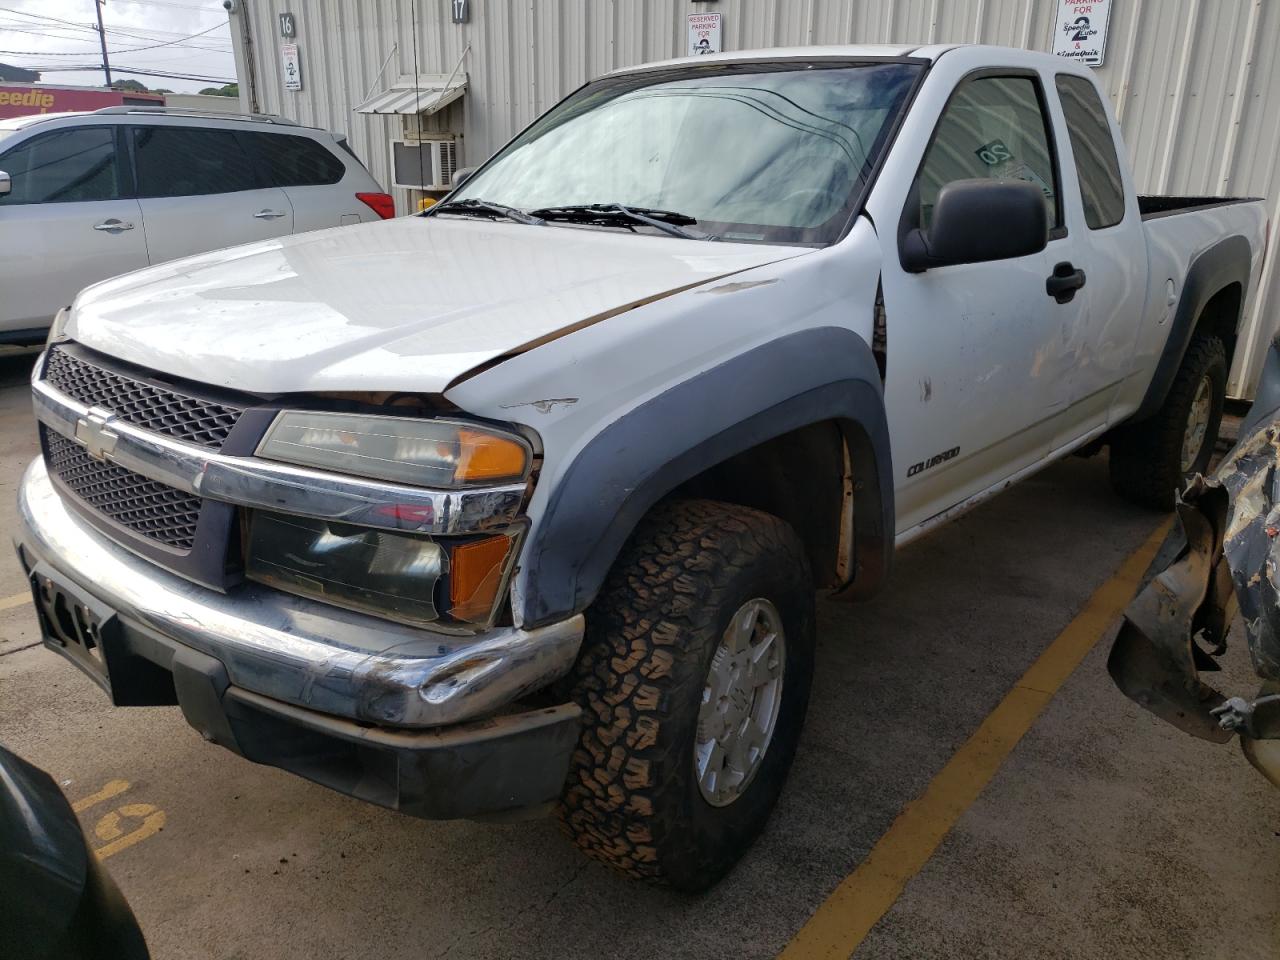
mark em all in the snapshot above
pixel 1080 32
pixel 704 33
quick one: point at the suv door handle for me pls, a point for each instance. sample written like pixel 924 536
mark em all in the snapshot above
pixel 1064 282
pixel 269 214
pixel 113 225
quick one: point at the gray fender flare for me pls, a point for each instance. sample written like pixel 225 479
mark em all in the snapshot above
pixel 822 374
pixel 1228 261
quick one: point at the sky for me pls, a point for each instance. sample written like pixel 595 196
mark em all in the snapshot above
pixel 45 34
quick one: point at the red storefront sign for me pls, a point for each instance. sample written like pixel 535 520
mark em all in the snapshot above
pixel 21 99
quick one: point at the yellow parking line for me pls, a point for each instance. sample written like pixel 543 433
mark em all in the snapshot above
pixel 15 601
pixel 855 906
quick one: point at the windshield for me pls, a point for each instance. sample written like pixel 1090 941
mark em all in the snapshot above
pixel 774 153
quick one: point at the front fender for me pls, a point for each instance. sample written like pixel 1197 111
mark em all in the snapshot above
pixel 815 375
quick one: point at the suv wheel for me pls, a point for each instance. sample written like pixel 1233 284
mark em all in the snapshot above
pixel 1151 461
pixel 694 679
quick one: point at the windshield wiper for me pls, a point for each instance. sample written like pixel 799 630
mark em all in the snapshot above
pixel 483 208
pixel 667 221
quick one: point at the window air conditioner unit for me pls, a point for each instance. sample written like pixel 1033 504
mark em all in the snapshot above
pixel 426 164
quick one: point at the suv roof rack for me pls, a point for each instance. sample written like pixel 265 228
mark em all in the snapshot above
pixel 206 114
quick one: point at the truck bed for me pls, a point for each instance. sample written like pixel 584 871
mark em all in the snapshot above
pixel 1152 205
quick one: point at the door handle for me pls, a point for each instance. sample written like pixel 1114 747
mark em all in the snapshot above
pixel 1064 282
pixel 113 225
pixel 269 214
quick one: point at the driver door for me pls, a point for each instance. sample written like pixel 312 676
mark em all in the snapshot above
pixel 972 349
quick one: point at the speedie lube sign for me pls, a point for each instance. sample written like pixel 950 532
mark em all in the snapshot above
pixel 21 99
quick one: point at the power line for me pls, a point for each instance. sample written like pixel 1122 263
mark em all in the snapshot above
pixel 135 33
pixel 41 16
pixel 184 44
pixel 50 53
pixel 140 71
pixel 94 40
pixel 169 3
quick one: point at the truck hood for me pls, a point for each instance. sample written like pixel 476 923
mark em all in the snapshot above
pixel 409 304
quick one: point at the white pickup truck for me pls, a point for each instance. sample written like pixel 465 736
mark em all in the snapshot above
pixel 523 504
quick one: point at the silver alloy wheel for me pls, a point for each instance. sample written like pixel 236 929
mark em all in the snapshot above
pixel 740 702
pixel 1197 423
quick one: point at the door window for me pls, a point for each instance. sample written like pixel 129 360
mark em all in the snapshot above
pixel 993 128
pixel 297 161
pixel 190 161
pixel 1097 166
pixel 63 166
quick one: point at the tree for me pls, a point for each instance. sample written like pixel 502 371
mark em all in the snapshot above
pixel 230 90
pixel 132 86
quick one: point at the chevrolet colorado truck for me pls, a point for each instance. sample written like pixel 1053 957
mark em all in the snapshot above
pixel 522 505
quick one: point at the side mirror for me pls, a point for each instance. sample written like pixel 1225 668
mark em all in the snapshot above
pixel 461 176
pixel 5 183
pixel 975 221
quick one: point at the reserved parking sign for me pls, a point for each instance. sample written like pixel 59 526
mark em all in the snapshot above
pixel 1081 30
pixel 704 33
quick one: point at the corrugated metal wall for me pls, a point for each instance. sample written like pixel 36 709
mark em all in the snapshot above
pixel 1196 83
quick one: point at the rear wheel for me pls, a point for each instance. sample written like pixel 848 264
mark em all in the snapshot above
pixel 694 680
pixel 1152 460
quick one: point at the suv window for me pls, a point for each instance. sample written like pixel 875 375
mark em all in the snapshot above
pixel 63 166
pixel 297 161
pixel 190 161
pixel 1097 166
pixel 993 128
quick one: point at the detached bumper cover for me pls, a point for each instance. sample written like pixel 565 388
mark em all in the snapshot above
pixel 1177 626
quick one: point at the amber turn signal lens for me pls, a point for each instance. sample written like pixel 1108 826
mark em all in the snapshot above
pixel 485 456
pixel 475 574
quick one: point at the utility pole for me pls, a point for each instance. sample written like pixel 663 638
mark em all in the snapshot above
pixel 102 35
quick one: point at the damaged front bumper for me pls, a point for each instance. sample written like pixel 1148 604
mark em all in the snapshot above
pixel 426 723
pixel 1176 628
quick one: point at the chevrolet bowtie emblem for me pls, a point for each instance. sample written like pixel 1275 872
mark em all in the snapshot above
pixel 94 433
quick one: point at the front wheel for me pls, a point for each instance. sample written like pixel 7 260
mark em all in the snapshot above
pixel 694 680
pixel 1151 461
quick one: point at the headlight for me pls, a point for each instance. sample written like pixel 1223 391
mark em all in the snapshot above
pixel 421 453
pixel 392 575
pixel 409 578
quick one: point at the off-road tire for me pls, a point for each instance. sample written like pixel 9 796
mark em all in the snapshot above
pixel 631 799
pixel 1146 457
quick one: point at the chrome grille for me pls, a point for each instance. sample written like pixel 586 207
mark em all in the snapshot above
pixel 153 509
pixel 165 411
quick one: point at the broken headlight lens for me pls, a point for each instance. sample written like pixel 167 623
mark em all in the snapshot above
pixel 406 577
pixel 387 574
pixel 423 453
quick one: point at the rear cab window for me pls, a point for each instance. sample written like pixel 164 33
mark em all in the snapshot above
pixel 1094 149
pixel 63 166
pixel 296 161
pixel 175 161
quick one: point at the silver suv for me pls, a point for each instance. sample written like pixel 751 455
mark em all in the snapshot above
pixel 87 196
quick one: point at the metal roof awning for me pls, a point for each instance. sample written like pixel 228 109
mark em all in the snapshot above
pixel 430 92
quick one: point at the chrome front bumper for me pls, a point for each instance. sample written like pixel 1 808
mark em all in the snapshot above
pixel 292 649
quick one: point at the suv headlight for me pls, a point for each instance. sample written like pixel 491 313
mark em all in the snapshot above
pixel 442 454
